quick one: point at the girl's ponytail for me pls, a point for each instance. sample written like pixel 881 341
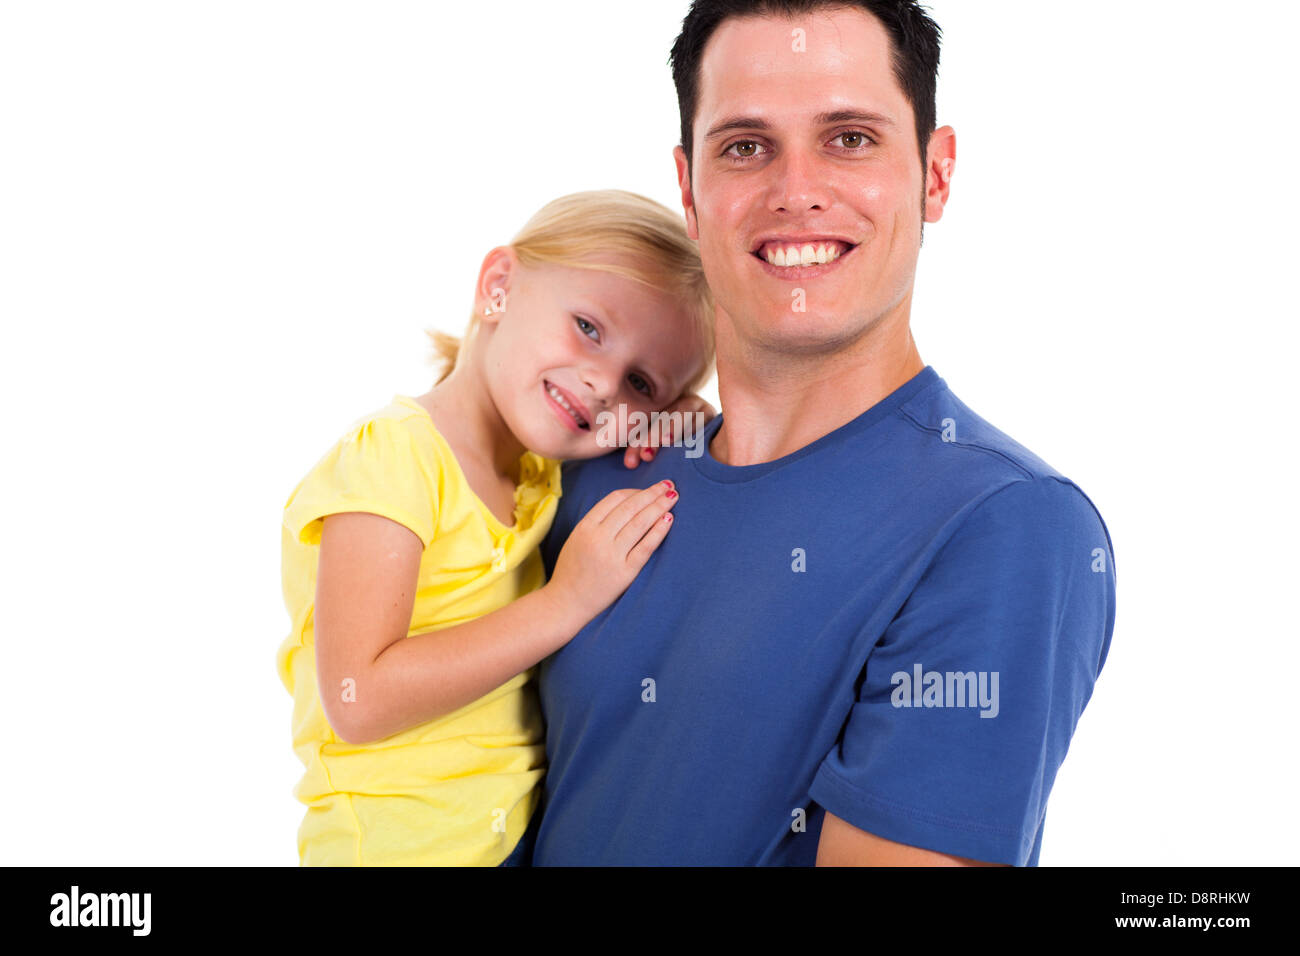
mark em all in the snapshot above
pixel 445 349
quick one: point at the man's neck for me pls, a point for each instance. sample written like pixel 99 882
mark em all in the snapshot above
pixel 775 404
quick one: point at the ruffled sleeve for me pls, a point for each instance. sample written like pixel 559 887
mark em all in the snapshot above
pixel 379 468
pixel 538 489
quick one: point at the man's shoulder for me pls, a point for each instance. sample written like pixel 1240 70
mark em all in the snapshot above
pixel 586 480
pixel 962 433
pixel 579 475
pixel 996 473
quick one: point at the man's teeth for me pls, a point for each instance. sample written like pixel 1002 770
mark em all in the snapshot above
pixel 550 390
pixel 805 255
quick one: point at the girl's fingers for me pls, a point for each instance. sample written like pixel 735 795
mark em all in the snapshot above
pixel 664 431
pixel 633 501
pixel 631 519
pixel 602 508
pixel 643 522
pixel 653 537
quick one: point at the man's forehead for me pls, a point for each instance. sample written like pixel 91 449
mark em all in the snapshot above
pixel 836 57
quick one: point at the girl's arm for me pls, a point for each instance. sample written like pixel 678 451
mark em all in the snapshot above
pixel 375 681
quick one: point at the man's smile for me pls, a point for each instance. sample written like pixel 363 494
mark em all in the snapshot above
pixel 801 257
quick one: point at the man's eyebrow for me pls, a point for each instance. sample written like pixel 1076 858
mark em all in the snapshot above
pixel 734 123
pixel 866 117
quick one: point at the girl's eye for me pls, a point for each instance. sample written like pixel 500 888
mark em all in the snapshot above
pixel 640 384
pixel 586 327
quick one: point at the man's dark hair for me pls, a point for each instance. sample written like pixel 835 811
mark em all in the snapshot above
pixel 914 39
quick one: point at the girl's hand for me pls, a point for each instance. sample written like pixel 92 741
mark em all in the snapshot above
pixel 609 546
pixel 688 405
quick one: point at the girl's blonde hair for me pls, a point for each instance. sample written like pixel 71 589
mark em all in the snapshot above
pixel 577 229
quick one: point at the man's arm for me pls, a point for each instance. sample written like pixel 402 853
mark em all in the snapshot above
pixel 843 844
pixel 967 703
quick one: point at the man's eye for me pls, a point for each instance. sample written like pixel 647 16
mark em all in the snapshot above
pixel 745 149
pixel 586 327
pixel 640 384
pixel 859 140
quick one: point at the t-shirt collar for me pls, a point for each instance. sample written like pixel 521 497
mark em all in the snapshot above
pixel 710 467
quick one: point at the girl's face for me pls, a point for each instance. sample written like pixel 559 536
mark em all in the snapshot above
pixel 573 343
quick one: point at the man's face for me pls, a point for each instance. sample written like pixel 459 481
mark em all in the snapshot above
pixel 799 142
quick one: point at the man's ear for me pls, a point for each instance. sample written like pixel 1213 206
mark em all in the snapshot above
pixel 688 200
pixel 494 278
pixel 941 159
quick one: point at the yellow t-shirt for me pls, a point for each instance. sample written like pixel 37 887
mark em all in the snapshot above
pixel 458 790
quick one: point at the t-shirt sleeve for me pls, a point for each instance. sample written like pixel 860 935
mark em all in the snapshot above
pixel 966 705
pixel 376 468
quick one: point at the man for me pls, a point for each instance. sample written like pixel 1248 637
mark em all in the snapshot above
pixel 876 621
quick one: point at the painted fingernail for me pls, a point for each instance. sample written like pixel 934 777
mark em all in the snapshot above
pixel 668 516
pixel 671 494
pixel 668 482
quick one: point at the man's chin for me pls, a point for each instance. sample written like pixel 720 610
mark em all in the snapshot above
pixel 809 331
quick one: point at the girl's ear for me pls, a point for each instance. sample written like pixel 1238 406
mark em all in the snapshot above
pixel 494 279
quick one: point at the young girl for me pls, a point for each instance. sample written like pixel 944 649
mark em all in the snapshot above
pixel 411 567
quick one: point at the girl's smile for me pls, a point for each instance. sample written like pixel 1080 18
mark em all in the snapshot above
pixel 571 412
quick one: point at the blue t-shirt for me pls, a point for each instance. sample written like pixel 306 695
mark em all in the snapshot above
pixel 899 623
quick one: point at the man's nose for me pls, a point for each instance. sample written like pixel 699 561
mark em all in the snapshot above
pixel 799 183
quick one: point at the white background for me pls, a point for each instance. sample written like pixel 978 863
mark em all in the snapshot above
pixel 224 227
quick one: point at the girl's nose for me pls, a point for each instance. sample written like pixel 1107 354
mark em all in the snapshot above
pixel 600 383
